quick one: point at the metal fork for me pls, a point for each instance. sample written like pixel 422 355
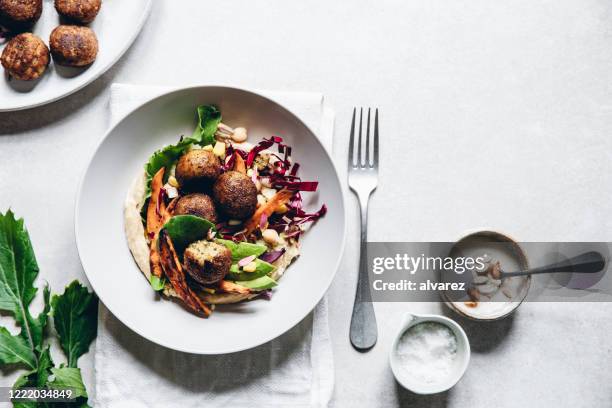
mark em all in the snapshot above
pixel 362 180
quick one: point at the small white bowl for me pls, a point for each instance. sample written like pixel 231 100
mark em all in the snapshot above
pixel 463 356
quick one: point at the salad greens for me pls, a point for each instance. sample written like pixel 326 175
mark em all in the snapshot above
pixel 185 229
pixel 165 157
pixel 74 316
pixel 209 117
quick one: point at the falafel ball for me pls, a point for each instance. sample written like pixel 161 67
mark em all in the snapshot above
pixel 197 204
pixel 197 168
pixel 25 57
pixel 80 11
pixel 20 13
pixel 73 46
pixel 235 195
pixel 207 262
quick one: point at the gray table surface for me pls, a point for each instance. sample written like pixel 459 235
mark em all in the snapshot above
pixel 494 114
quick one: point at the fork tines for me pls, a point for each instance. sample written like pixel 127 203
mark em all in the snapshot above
pixel 367 160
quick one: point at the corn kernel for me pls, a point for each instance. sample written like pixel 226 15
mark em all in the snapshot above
pixel 219 149
pixel 208 148
pixel 281 209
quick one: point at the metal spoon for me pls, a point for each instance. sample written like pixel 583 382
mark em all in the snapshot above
pixel 588 262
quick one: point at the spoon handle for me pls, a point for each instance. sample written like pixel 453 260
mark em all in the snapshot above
pixel 588 262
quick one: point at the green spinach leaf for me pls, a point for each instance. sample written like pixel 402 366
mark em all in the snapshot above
pixel 18 270
pixel 68 377
pixel 15 350
pixel 75 316
pixel 185 229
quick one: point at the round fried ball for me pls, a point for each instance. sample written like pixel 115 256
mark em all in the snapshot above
pixel 197 168
pixel 73 46
pixel 20 13
pixel 207 262
pixel 25 57
pixel 197 204
pixel 80 11
pixel 235 195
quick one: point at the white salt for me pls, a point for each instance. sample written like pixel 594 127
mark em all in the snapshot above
pixel 427 352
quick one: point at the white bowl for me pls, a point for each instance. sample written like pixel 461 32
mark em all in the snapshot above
pixel 108 262
pixel 460 365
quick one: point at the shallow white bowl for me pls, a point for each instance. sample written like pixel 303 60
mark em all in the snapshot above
pixel 116 26
pixel 110 267
pixel 463 356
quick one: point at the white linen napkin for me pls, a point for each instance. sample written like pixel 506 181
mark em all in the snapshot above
pixel 295 369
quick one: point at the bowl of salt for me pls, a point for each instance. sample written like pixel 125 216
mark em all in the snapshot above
pixel 430 354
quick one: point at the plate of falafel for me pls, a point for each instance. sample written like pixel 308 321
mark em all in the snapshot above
pixel 52 48
pixel 210 220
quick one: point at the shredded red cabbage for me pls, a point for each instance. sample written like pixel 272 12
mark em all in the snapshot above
pixel 272 256
pixel 230 155
pixel 282 174
pixel 229 162
pixel 263 221
pixel 296 185
pixel 263 145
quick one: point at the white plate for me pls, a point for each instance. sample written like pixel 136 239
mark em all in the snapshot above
pixel 116 26
pixel 110 267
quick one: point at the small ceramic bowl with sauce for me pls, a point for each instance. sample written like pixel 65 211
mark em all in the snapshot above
pixel 430 354
pixel 501 298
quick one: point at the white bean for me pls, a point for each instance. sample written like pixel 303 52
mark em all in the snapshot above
pixel 240 135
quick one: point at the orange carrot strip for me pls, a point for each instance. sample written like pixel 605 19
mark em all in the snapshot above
pixel 156 207
pixel 176 276
pixel 239 165
pixel 267 209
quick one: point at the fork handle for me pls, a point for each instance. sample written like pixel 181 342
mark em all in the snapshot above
pixel 363 332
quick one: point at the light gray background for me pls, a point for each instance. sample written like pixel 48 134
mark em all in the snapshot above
pixel 493 114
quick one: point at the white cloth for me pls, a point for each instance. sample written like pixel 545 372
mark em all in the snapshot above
pixel 295 369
